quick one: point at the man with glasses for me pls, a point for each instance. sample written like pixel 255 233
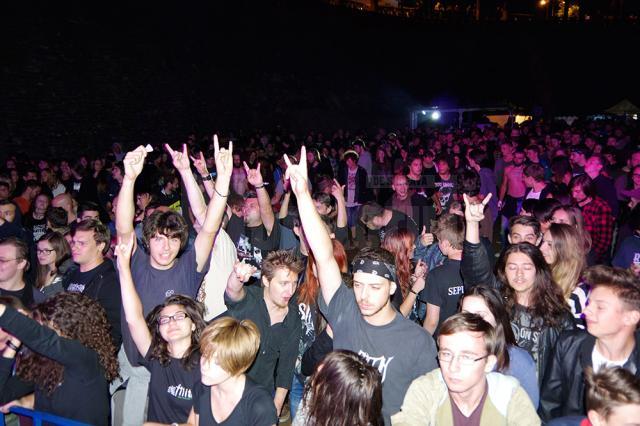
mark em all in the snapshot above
pixel 465 390
pixel 13 263
pixel 95 276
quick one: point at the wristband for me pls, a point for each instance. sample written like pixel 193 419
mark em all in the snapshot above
pixel 207 177
pixel 12 345
pixel 259 186
pixel 411 290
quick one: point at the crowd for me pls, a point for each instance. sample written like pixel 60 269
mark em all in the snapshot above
pixel 418 277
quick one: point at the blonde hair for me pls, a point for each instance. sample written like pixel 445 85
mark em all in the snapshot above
pixel 234 344
pixel 570 261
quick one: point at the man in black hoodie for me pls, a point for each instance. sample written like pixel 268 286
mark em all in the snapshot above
pixel 95 276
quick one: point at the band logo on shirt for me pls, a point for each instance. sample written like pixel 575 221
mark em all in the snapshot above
pixel 381 362
pixel 180 392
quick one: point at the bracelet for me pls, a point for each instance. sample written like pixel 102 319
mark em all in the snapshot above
pixel 223 196
pixel 411 290
pixel 207 177
pixel 260 186
pixel 12 345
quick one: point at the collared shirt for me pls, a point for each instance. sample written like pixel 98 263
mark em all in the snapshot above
pixel 278 342
pixel 598 220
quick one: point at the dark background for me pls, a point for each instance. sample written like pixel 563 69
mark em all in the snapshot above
pixel 77 77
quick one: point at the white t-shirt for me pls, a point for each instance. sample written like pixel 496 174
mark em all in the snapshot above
pixel 598 361
pixel 534 195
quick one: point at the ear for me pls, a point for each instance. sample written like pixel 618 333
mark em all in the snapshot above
pixel 491 363
pixel 393 287
pixel 193 327
pixel 594 418
pixel 631 318
pixel 101 247
pixel 538 241
pixel 509 239
pixel 265 282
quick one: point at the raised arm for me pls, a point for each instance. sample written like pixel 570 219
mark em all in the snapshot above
pixel 217 204
pixel 183 166
pixel 133 311
pixel 201 167
pixel 475 266
pixel 126 208
pixel 284 207
pixel 337 191
pixel 241 273
pixel 314 229
pixel 266 210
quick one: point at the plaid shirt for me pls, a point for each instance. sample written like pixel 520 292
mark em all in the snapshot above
pixel 598 220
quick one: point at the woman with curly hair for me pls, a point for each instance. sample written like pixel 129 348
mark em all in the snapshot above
pixel 68 361
pixel 343 391
pixel 563 251
pixel 536 306
pixel 400 242
pixel 168 342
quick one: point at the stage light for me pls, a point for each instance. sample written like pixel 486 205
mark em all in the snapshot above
pixel 435 115
pixel 424 112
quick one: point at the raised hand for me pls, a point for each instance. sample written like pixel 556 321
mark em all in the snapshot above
pixel 297 173
pixel 426 238
pixel 337 190
pixel 253 175
pixel 180 159
pixel 475 212
pixel 123 252
pixel 200 164
pixel 420 270
pixel 224 159
pixel 134 162
pixel 243 271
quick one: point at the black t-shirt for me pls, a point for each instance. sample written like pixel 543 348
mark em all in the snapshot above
pixel 399 220
pixel 446 189
pixel 253 243
pixel 444 288
pixel 79 281
pixel 276 358
pixel 255 408
pixel 38 227
pixel 170 390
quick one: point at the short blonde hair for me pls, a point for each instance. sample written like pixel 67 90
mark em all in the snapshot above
pixel 233 343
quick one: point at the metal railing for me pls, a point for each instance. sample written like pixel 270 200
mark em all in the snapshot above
pixel 38 417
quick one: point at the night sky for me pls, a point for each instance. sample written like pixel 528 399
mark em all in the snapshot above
pixel 74 76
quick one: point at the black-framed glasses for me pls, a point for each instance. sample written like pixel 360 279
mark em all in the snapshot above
pixel 166 319
pixel 45 251
pixel 464 359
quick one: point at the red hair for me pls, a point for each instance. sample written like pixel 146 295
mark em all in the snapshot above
pixel 308 293
pixel 400 243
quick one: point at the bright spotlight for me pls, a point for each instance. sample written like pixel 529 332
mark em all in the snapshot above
pixel 435 115
pixel 424 112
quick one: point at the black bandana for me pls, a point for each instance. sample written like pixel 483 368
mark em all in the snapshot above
pixel 375 267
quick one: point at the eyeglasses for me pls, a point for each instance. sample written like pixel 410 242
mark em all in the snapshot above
pixel 166 319
pixel 464 359
pixel 45 251
pixel 3 261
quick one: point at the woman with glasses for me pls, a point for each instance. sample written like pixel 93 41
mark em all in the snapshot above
pixel 53 254
pixel 536 306
pixel 168 342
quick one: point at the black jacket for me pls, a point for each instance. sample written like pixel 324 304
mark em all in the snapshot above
pixel 562 392
pixel 475 268
pixel 104 288
pixel 362 193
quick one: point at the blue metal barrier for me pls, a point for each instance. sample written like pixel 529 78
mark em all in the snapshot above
pixel 39 416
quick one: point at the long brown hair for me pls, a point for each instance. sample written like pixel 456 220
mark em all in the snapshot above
pixel 195 312
pixel 63 252
pixel 76 317
pixel 344 391
pixel 547 301
pixel 570 257
pixel 400 243
pixel 308 292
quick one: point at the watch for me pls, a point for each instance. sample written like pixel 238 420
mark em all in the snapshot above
pixel 207 177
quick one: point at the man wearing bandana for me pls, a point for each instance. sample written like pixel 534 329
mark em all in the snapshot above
pixel 362 319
